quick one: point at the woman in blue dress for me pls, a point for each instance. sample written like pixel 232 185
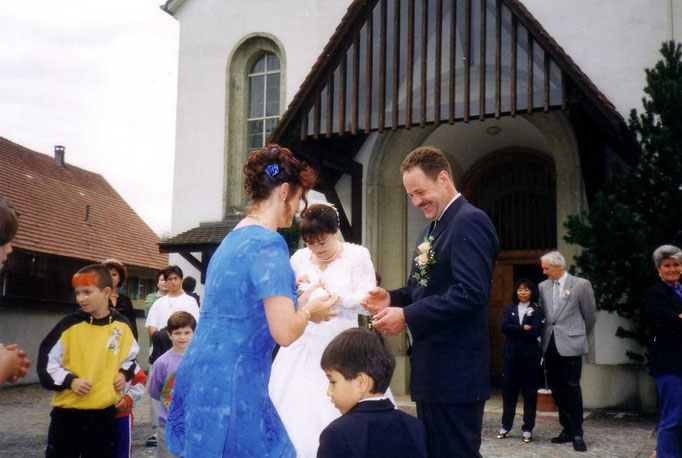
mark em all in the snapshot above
pixel 220 404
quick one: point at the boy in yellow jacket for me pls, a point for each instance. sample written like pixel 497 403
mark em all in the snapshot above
pixel 87 359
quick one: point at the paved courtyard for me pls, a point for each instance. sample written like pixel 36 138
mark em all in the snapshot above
pixel 24 418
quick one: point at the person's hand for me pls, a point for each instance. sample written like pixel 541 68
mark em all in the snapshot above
pixel 389 321
pixel 527 327
pixel 320 308
pixel 122 404
pixel 313 290
pixel 13 363
pixel 80 386
pixel 680 315
pixel 302 279
pixel 376 300
pixel 119 382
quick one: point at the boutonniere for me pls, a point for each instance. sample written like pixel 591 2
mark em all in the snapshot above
pixel 529 311
pixel 567 293
pixel 424 260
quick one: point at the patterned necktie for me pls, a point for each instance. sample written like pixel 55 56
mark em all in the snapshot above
pixel 555 297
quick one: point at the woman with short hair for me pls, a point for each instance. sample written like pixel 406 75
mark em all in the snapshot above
pixel 664 312
pixel 118 300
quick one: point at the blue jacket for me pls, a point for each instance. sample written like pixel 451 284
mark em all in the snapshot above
pixel 521 343
pixel 448 318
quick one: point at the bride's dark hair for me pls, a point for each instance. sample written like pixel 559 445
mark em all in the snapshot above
pixel 318 220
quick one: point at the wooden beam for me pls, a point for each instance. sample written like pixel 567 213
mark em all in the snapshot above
pixel 410 63
pixel 530 72
pixel 342 94
pixel 453 67
pixel 481 66
pixel 498 58
pixel 396 64
pixel 316 116
pixel 514 37
pixel 422 89
pixel 467 57
pixel 546 85
pixel 439 47
pixel 368 73
pixel 304 125
pixel 330 104
pixel 381 109
pixel 355 84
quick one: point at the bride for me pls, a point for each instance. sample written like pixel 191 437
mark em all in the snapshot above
pixel 298 385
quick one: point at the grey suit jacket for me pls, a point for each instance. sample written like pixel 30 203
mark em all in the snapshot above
pixel 573 317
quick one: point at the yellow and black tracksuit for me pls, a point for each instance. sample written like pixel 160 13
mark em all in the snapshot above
pixel 81 346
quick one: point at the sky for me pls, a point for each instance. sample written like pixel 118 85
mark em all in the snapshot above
pixel 99 78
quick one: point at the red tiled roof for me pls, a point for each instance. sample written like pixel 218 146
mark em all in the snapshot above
pixel 53 203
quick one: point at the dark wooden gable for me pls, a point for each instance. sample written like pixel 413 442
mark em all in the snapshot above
pixel 410 62
pixel 398 64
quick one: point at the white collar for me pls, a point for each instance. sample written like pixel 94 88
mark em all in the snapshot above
pixel 562 281
pixel 448 205
pixel 374 398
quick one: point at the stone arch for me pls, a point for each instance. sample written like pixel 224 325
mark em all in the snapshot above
pixel 240 60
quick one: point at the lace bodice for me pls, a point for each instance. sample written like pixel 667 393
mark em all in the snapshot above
pixel 350 276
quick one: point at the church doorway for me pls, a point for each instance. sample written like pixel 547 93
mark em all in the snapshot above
pixel 517 189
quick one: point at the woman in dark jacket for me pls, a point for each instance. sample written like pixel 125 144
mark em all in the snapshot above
pixel 522 323
pixel 664 313
pixel 119 301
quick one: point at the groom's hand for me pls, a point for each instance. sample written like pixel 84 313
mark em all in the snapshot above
pixel 376 300
pixel 390 321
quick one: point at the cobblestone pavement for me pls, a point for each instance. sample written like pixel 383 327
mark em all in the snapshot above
pixel 24 418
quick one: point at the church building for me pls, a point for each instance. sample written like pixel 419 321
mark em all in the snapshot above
pixel 528 99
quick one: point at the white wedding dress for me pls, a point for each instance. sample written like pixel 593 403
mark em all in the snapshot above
pixel 298 385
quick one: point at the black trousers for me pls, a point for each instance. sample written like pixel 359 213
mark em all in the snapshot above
pixel 520 374
pixel 563 376
pixel 452 430
pixel 81 433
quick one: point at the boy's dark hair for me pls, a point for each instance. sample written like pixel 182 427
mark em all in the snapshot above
pixel 180 320
pixel 94 274
pixel 359 350
pixel 9 223
pixel 172 270
pixel 534 292
pixel 158 275
pixel 188 284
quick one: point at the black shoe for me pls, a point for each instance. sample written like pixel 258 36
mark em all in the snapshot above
pixel 579 444
pixel 562 438
pixel 151 441
pixel 502 435
pixel 527 438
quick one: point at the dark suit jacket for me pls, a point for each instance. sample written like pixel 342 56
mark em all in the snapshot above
pixel 521 343
pixel 663 307
pixel 448 318
pixel 373 429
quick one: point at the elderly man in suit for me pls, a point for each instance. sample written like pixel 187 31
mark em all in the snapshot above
pixel 570 312
pixel 445 307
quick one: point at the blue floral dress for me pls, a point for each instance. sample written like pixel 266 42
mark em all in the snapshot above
pixel 220 404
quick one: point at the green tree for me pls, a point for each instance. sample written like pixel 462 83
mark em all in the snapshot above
pixel 640 208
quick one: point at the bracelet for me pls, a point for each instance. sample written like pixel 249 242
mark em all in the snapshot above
pixel 307 314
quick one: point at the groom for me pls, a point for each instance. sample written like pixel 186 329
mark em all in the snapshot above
pixel 445 307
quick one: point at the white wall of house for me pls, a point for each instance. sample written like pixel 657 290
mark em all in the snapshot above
pixel 612 41
pixel 209 32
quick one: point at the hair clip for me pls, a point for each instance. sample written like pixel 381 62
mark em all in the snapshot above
pixel 274 149
pixel 272 169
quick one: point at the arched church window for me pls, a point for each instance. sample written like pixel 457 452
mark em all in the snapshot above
pixel 264 99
